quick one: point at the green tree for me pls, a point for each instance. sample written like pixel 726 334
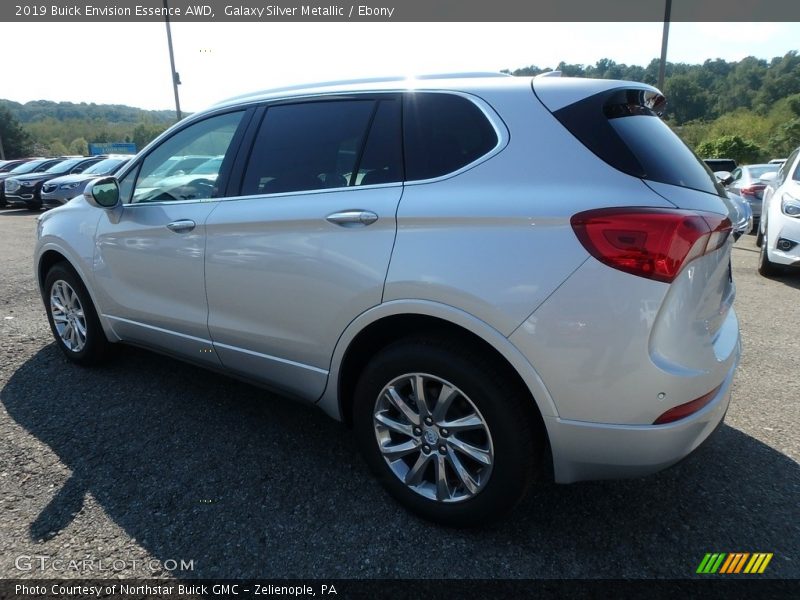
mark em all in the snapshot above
pixel 743 151
pixel 14 140
pixel 57 148
pixel 79 146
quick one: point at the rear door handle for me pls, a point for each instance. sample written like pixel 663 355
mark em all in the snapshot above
pixel 352 218
pixel 181 226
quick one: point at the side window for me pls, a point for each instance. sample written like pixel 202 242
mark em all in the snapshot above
pixel 736 175
pixel 186 165
pixel 308 146
pixel 382 161
pixel 442 133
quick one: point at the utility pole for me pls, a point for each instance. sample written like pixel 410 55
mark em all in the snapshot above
pixel 662 67
pixel 176 79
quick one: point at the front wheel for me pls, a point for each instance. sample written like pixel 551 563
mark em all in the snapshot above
pixel 446 431
pixel 72 317
pixel 766 267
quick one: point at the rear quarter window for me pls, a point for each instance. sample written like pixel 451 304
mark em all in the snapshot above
pixel 443 133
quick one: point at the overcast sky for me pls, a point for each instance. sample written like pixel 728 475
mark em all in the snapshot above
pixel 128 63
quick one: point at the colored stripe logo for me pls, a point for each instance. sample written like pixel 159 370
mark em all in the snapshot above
pixel 734 562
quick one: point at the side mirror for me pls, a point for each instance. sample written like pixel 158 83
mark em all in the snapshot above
pixel 103 193
pixel 724 177
pixel 769 177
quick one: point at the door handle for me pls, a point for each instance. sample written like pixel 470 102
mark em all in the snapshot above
pixel 181 226
pixel 352 218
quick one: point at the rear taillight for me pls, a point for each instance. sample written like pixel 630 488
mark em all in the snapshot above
pixel 654 243
pixel 753 190
pixel 684 410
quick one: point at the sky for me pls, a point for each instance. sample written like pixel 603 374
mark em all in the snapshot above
pixel 128 63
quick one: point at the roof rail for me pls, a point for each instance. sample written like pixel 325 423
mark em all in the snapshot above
pixel 324 84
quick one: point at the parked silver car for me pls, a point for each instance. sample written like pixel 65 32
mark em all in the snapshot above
pixel 60 190
pixel 470 271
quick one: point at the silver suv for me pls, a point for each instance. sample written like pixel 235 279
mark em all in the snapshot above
pixel 473 272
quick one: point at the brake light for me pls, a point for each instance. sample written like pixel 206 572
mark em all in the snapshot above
pixel 684 410
pixel 752 190
pixel 654 243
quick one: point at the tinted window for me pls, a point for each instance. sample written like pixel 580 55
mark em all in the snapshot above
pixel 27 167
pixel 442 133
pixel 620 127
pixel 382 161
pixel 159 181
pixel 307 146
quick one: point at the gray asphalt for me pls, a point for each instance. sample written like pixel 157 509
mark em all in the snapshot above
pixel 147 461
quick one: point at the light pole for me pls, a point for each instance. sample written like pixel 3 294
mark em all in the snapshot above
pixel 662 67
pixel 176 79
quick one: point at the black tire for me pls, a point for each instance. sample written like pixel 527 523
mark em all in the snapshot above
pixel 759 238
pixel 766 267
pixel 96 347
pixel 509 413
pixel 33 206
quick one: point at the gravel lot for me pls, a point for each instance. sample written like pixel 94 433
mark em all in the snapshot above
pixel 148 461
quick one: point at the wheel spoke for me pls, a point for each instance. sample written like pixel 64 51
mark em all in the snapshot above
pixel 415 473
pixel 463 424
pixel 446 396
pixel 463 475
pixel 418 385
pixel 401 405
pixel 440 469
pixel 81 328
pixel 399 450
pixel 473 452
pixel 59 318
pixel 396 426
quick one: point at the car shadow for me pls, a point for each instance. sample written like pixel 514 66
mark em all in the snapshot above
pixel 196 466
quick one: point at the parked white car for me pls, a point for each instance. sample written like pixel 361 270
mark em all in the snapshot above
pixel 779 227
pixel 477 273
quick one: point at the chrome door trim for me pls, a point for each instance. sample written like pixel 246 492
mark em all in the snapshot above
pixel 277 359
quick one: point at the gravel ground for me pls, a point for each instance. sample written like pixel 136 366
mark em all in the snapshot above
pixel 148 461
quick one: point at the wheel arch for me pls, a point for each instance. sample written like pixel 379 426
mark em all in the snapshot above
pixel 390 321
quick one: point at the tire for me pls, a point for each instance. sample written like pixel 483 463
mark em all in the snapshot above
pixel 70 311
pixel 759 238
pixel 33 206
pixel 766 267
pixel 505 432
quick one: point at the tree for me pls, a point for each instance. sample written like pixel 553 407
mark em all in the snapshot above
pixel 79 146
pixel 14 140
pixel 743 151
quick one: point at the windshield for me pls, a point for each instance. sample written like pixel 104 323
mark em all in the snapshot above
pixel 104 167
pixel 26 167
pixel 210 167
pixel 64 166
pixel 756 172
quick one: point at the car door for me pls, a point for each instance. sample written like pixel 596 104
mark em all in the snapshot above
pixel 305 247
pixel 149 256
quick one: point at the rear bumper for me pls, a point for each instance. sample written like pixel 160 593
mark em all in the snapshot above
pixel 586 451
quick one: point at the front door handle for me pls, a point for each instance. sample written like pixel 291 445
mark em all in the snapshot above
pixel 181 226
pixel 352 218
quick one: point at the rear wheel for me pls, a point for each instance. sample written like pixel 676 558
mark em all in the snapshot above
pixel 72 317
pixel 446 432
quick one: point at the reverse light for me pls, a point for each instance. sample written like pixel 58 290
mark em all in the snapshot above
pixel 684 410
pixel 655 243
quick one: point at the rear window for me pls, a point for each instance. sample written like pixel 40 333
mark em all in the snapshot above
pixel 622 128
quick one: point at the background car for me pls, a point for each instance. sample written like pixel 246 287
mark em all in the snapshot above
pixel 25 190
pixel 720 164
pixel 60 190
pixel 746 181
pixel 33 165
pixel 8 165
pixel 779 228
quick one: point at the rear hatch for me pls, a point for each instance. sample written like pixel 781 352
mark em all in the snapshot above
pixel 620 123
